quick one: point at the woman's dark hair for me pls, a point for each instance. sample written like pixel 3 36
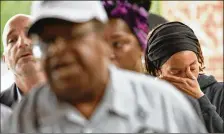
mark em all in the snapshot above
pixel 153 70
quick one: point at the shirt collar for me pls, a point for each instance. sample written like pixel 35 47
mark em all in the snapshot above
pixel 55 109
pixel 19 96
pixel 126 94
pixel 116 100
pixel 119 98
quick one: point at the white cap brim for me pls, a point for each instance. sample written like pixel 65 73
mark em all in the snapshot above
pixel 80 14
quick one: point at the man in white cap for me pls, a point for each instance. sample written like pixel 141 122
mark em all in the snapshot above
pixel 85 93
pixel 5 113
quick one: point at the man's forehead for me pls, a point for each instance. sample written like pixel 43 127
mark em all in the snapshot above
pixel 19 22
pixel 11 23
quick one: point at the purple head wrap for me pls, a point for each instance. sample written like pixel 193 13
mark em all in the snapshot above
pixel 136 17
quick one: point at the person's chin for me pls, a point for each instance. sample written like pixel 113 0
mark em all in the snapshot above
pixel 68 85
pixel 76 97
pixel 73 94
pixel 26 64
pixel 26 59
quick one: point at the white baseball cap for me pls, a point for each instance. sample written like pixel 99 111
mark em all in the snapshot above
pixel 73 11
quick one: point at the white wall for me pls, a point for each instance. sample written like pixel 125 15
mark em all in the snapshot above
pixel 6 77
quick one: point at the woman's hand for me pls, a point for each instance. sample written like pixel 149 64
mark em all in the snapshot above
pixel 188 85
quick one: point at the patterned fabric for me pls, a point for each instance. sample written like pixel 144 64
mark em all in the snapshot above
pixel 136 17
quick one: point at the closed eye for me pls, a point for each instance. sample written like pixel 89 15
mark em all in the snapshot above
pixel 193 67
pixel 175 72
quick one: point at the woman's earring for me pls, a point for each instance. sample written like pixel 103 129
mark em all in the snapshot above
pixel 143 68
pixel 143 59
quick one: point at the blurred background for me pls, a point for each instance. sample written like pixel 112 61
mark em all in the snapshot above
pixel 204 17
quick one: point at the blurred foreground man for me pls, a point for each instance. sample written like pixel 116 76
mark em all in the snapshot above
pixel 19 59
pixel 174 54
pixel 5 113
pixel 85 93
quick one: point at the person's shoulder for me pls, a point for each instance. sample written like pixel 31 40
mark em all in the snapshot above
pixel 156 92
pixel 157 97
pixel 35 92
pixel 209 84
pixel 23 108
pixel 147 86
pixel 5 114
pixel 5 109
pixel 30 98
pixel 8 90
pixel 7 96
pixel 146 82
pixel 131 75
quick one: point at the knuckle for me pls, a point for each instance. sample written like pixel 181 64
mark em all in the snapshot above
pixel 185 82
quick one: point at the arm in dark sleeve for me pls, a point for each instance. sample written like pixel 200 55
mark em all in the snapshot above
pixel 213 121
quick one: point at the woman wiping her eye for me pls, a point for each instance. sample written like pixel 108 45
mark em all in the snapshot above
pixel 174 54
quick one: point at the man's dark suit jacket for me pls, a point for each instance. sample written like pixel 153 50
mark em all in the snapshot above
pixel 9 97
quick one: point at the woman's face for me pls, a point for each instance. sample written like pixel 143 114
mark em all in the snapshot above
pixel 178 63
pixel 125 49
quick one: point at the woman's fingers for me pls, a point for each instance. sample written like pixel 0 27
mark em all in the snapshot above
pixel 172 78
pixel 184 89
pixel 189 74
